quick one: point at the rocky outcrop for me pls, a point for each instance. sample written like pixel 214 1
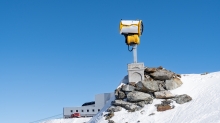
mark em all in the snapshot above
pixel 136 96
pixel 151 86
pixel 114 109
pixel 128 88
pixel 156 84
pixel 162 75
pixel 180 99
pixel 147 86
pixel 126 105
pixel 119 94
pixel 173 83
pixel 163 95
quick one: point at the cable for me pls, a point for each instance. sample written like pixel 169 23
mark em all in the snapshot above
pixel 45 118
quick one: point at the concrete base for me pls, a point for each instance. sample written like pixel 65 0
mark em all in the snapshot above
pixel 135 72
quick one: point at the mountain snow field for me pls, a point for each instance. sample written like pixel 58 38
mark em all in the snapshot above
pixel 204 107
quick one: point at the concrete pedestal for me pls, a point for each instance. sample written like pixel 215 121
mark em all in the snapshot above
pixel 135 72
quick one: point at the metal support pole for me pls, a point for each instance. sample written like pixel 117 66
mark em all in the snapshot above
pixel 135 52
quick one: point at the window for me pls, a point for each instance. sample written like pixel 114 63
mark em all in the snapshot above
pixel 76 110
pixel 98 109
pixel 87 110
pixel 82 110
pixel 71 110
pixel 93 110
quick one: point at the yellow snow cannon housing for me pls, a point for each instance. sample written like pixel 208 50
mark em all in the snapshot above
pixel 132 30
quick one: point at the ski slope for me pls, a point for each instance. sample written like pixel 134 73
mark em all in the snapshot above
pixel 204 107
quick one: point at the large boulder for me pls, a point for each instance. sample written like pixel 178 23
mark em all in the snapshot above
pixel 148 86
pixel 173 83
pixel 126 105
pixel 114 109
pixel 128 88
pixel 150 70
pixel 163 95
pixel 138 96
pixel 180 99
pixel 151 86
pixel 162 74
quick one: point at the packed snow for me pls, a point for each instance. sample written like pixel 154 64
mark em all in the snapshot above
pixel 204 107
pixel 70 120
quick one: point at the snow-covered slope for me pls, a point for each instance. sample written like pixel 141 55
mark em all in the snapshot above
pixel 204 108
pixel 72 120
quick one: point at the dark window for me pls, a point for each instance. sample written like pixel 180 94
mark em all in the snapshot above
pixel 76 110
pixel 71 110
pixel 87 110
pixel 82 110
pixel 98 109
pixel 93 110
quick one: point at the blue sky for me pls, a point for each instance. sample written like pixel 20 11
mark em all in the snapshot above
pixel 55 54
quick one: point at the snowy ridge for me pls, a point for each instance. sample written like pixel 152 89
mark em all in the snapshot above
pixel 204 107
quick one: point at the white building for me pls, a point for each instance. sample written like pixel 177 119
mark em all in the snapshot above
pixel 89 109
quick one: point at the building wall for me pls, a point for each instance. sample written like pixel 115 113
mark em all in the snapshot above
pixel 91 110
pixel 84 111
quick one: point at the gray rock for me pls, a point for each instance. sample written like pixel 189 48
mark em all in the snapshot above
pixel 128 88
pixel 138 96
pixel 141 103
pixel 121 95
pixel 162 74
pixel 147 86
pixel 126 105
pixel 161 88
pixel 116 93
pixel 111 121
pixel 166 102
pixel 163 95
pixel 114 109
pixel 173 83
pixel 140 87
pixel 150 86
pixel 180 99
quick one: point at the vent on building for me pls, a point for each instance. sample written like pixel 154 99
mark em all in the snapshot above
pixel 87 110
pixel 98 109
pixel 82 110
pixel 93 110
pixel 71 110
pixel 76 110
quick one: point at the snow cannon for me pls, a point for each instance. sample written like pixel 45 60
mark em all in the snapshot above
pixel 132 30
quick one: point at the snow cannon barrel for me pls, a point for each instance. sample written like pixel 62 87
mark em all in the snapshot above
pixel 132 30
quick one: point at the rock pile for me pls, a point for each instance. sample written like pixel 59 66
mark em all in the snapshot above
pixel 156 85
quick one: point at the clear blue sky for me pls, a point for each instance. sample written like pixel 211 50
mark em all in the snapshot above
pixel 61 53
